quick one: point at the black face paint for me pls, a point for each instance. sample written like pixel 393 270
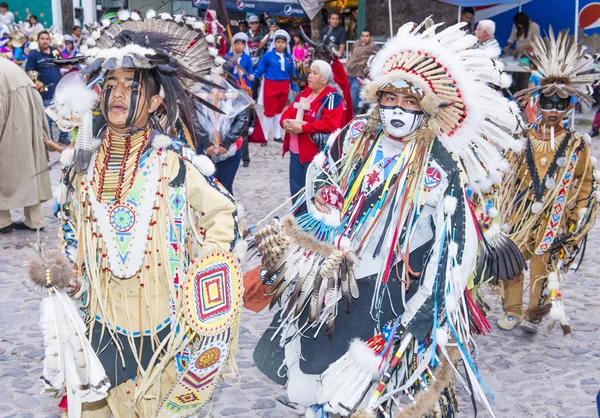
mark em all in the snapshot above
pixel 135 97
pixel 106 92
pixel 414 112
pixel 554 103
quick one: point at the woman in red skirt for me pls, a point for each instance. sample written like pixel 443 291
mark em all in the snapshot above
pixel 277 67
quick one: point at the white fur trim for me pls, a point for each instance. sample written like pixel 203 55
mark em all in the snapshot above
pixel 204 165
pixel 178 18
pixel 96 34
pixel 364 357
pixel 492 232
pixel 161 141
pixel 90 41
pixel 557 312
pixel 452 249
pixel 150 14
pixel 330 219
pixel 210 38
pixel 96 143
pixel 553 281
pixel 449 205
pixel 344 243
pixel 537 207
pixel 213 51
pixel 441 337
pixel 587 139
pixel 123 15
pixel 594 161
pixel 505 228
pixel 451 304
pixel 240 250
pixel 135 17
pixel 319 159
pixel 105 23
pixel 61 194
pixel 198 25
pixel 333 137
pixel 67 156
pixel 493 212
pixel 562 162
pixel 165 16
pixel 550 183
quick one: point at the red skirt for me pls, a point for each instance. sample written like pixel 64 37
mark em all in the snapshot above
pixel 275 96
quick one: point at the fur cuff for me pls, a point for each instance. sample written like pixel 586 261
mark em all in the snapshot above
pixel 204 165
pixel 364 357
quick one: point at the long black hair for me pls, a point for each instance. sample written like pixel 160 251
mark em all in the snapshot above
pixel 521 21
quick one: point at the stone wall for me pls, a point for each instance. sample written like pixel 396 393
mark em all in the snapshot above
pixel 377 17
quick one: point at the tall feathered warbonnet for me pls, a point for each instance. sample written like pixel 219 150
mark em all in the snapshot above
pixel 563 67
pixel 473 121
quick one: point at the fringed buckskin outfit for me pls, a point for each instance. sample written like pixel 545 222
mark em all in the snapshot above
pixel 370 294
pixel 548 199
pixel 150 232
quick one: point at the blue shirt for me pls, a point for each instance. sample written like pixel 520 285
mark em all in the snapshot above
pixel 270 66
pixel 49 74
pixel 19 54
pixel 246 64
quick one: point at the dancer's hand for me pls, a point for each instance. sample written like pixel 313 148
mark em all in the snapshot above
pixel 73 288
pixel 321 203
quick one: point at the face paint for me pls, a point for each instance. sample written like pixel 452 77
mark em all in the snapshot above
pixel 135 97
pixel 399 122
pixel 554 103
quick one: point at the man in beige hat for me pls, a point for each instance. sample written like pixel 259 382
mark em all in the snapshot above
pixel 24 178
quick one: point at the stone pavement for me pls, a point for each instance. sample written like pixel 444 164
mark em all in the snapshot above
pixel 546 375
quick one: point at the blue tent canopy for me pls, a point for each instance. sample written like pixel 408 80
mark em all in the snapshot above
pixel 290 8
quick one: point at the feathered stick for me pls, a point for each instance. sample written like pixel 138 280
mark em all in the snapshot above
pixel 72 107
pixel 71 366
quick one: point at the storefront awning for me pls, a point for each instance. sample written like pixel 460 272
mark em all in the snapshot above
pixel 289 8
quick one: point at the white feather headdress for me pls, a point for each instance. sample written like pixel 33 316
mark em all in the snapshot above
pixel 473 121
pixel 563 68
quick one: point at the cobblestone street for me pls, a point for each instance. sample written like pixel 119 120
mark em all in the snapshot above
pixel 545 375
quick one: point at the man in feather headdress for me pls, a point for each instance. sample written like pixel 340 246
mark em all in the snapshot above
pixel 147 227
pixel 548 198
pixel 371 281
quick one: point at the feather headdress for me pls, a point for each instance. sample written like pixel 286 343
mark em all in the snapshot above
pixel 473 121
pixel 171 50
pixel 563 68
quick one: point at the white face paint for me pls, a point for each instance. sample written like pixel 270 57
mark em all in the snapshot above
pixel 398 122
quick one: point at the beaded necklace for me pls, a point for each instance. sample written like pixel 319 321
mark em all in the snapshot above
pixel 117 164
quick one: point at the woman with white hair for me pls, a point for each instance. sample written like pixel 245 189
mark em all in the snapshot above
pixel 277 67
pixel 315 114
